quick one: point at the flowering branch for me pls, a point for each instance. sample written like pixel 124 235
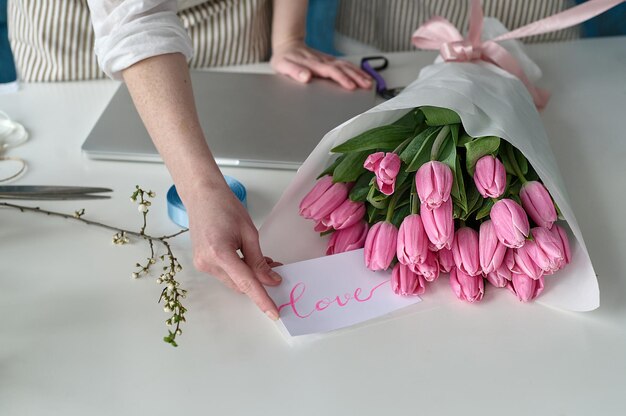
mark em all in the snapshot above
pixel 171 293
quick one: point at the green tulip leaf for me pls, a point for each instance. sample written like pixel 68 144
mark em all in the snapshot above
pixel 331 169
pixel 437 116
pixel 413 119
pixel 400 213
pixel 479 147
pixel 374 214
pixel 409 152
pixel 422 155
pixel 474 200
pixel 458 188
pixel 447 153
pixel 465 138
pixel 351 167
pixel 361 188
pixel 383 138
pixel 485 209
pixel 376 198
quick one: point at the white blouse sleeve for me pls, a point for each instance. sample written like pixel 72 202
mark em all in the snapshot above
pixel 128 31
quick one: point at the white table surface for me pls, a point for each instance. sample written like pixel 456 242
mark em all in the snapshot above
pixel 79 337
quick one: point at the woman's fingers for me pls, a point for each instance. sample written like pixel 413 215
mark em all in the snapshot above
pixel 293 70
pixel 245 279
pixel 256 261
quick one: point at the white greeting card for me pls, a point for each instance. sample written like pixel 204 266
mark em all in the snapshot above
pixel 333 292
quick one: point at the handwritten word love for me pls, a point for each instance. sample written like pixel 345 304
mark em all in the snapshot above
pixel 297 293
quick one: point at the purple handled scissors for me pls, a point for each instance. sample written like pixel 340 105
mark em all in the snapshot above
pixel 378 64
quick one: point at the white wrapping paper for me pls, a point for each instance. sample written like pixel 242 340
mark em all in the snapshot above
pixel 490 102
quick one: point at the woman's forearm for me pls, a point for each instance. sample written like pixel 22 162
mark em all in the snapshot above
pixel 161 89
pixel 288 21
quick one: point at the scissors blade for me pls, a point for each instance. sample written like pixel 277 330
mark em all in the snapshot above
pixel 39 189
pixel 51 197
pixel 34 192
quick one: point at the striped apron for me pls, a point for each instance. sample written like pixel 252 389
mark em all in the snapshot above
pixel 388 24
pixel 52 40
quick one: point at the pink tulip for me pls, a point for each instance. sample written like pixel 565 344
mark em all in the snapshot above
pixel 439 225
pixel 465 251
pixel 323 199
pixel 510 223
pixel 525 288
pixel 560 233
pixel 346 215
pixel 412 241
pixel 433 181
pixel 405 282
pixel 348 239
pixel 380 245
pixel 538 204
pixel 320 227
pixel 527 258
pixel 490 249
pixel 466 287
pixel 386 167
pixel 429 268
pixel 490 177
pixel 446 260
pixel 502 275
pixel 550 246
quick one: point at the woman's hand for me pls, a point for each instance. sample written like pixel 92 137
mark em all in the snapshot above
pixel 220 226
pixel 301 63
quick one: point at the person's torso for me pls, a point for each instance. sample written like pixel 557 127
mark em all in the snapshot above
pixel 52 40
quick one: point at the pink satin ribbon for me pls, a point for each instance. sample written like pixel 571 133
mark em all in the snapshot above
pixel 439 34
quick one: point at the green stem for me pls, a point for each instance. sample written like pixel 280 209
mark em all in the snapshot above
pixel 402 145
pixel 392 204
pixel 414 199
pixel 514 165
pixel 441 136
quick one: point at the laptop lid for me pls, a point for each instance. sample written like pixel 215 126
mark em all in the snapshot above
pixel 249 120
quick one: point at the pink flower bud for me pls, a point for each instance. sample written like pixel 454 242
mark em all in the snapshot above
pixel 433 181
pixel 560 233
pixel 551 247
pixel 439 225
pixel 466 287
pixel 446 260
pixel 502 275
pixel 490 249
pixel 525 288
pixel 510 223
pixel 405 282
pixel 538 204
pixel 465 251
pixel 429 268
pixel 490 177
pixel 526 259
pixel 386 167
pixel 320 227
pixel 348 239
pixel 412 241
pixel 346 215
pixel 323 198
pixel 380 245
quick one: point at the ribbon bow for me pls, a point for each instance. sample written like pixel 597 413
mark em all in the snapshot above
pixel 439 34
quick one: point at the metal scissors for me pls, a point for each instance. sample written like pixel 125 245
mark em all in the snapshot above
pixel 51 193
pixel 378 63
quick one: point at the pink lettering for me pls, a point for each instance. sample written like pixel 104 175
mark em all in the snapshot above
pixel 297 292
pixel 294 298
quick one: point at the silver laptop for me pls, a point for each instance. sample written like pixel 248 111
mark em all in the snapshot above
pixel 249 120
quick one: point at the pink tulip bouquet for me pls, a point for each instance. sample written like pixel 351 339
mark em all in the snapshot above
pixel 455 175
pixel 425 198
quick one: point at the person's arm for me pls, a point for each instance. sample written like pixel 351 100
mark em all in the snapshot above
pixel 218 222
pixel 143 42
pixel 291 57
